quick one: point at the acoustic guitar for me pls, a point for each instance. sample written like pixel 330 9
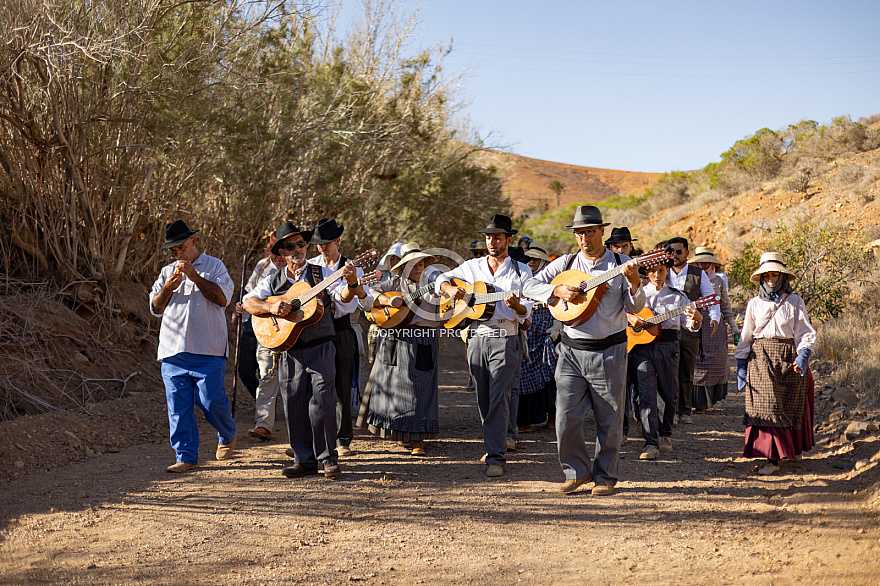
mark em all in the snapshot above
pixel 577 311
pixel 395 317
pixel 478 304
pixel 281 333
pixel 650 332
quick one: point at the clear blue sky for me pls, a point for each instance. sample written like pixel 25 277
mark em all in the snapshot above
pixel 653 85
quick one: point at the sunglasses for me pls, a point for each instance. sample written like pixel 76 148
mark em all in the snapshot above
pixel 294 245
pixel 584 233
pixel 675 251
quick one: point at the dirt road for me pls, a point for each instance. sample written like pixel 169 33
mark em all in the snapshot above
pixel 697 516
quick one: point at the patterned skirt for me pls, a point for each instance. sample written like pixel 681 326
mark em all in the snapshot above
pixel 403 385
pixel 775 393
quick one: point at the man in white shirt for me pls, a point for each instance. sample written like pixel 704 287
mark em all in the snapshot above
pixel 694 283
pixel 591 372
pixel 190 295
pixel 494 348
pixel 327 235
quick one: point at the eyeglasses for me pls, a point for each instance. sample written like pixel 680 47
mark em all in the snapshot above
pixel 584 233
pixel 675 251
pixel 294 245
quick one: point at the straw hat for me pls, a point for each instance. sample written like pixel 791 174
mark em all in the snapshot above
pixel 410 252
pixel 537 251
pixel 771 261
pixel 704 254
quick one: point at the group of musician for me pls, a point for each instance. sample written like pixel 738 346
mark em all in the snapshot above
pixel 553 347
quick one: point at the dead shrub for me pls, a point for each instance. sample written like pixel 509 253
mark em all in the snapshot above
pixel 848 175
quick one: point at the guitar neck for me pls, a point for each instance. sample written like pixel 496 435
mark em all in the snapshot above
pixel 604 277
pixel 419 293
pixel 493 297
pixel 319 288
pixel 657 319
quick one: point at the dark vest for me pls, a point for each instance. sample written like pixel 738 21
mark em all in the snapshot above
pixel 343 322
pixel 692 282
pixel 319 332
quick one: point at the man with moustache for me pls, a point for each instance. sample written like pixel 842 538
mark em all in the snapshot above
pixel 190 295
pixel 694 283
pixel 308 369
pixel 494 347
pixel 327 235
pixel 591 371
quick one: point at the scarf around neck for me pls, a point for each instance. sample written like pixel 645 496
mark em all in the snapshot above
pixel 767 293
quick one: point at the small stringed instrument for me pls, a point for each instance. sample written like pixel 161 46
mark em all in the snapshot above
pixel 393 317
pixel 478 304
pixel 281 333
pixel 583 306
pixel 650 332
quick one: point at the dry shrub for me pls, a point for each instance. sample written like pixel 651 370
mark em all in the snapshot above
pixel 849 343
pixel 848 175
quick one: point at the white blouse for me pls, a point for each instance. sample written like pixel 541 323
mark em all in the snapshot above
pixel 789 321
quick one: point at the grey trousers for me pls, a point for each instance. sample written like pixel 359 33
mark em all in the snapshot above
pixel 590 380
pixel 656 369
pixel 346 356
pixel 308 386
pixel 514 403
pixel 689 345
pixel 493 363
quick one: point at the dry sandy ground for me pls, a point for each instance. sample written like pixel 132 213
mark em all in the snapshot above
pixel 697 516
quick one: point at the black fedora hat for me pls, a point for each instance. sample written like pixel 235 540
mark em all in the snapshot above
pixel 620 235
pixel 499 224
pixel 176 233
pixel 285 231
pixel 517 254
pixel 587 217
pixel 327 231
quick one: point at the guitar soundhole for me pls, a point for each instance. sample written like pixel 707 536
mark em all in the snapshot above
pixel 636 329
pixel 294 306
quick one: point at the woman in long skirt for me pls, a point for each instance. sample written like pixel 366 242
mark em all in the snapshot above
pixel 401 403
pixel 773 368
pixel 712 368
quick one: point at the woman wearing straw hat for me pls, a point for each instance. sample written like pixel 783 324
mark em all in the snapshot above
pixel 537 389
pixel 403 385
pixel 711 368
pixel 772 365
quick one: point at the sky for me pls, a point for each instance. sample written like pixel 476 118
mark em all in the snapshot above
pixel 652 85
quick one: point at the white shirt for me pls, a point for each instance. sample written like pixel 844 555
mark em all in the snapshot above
pixel 666 300
pixel 678 280
pixel 263 290
pixel 610 316
pixel 340 309
pixel 504 279
pixel 789 321
pixel 191 323
pixel 428 303
pixel 265 268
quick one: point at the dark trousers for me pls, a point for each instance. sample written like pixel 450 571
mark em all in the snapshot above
pixel 655 367
pixel 689 346
pixel 346 357
pixel 248 370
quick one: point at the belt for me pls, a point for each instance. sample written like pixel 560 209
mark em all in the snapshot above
pixel 594 344
pixel 492 327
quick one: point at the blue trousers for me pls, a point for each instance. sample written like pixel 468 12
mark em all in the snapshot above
pixel 196 379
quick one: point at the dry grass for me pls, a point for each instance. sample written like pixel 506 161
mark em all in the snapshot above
pixel 850 344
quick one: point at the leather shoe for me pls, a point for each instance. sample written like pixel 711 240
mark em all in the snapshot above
pixel 569 486
pixel 224 451
pixel 511 444
pixel 298 471
pixel 650 453
pixel 418 448
pixel 343 451
pixel 494 471
pixel 260 432
pixel 181 467
pixel 290 453
pixel 332 470
pixel 603 489
pixel 665 445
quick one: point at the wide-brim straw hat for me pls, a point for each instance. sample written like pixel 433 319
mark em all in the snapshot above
pixel 537 251
pixel 411 252
pixel 704 254
pixel 771 261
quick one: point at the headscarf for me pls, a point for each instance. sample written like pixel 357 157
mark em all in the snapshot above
pixel 767 293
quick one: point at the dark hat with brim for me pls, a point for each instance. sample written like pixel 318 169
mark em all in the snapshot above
pixel 517 254
pixel 176 233
pixel 327 231
pixel 499 224
pixel 587 217
pixel 477 245
pixel 285 231
pixel 620 235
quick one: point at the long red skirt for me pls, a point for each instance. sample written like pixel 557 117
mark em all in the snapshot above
pixel 775 443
